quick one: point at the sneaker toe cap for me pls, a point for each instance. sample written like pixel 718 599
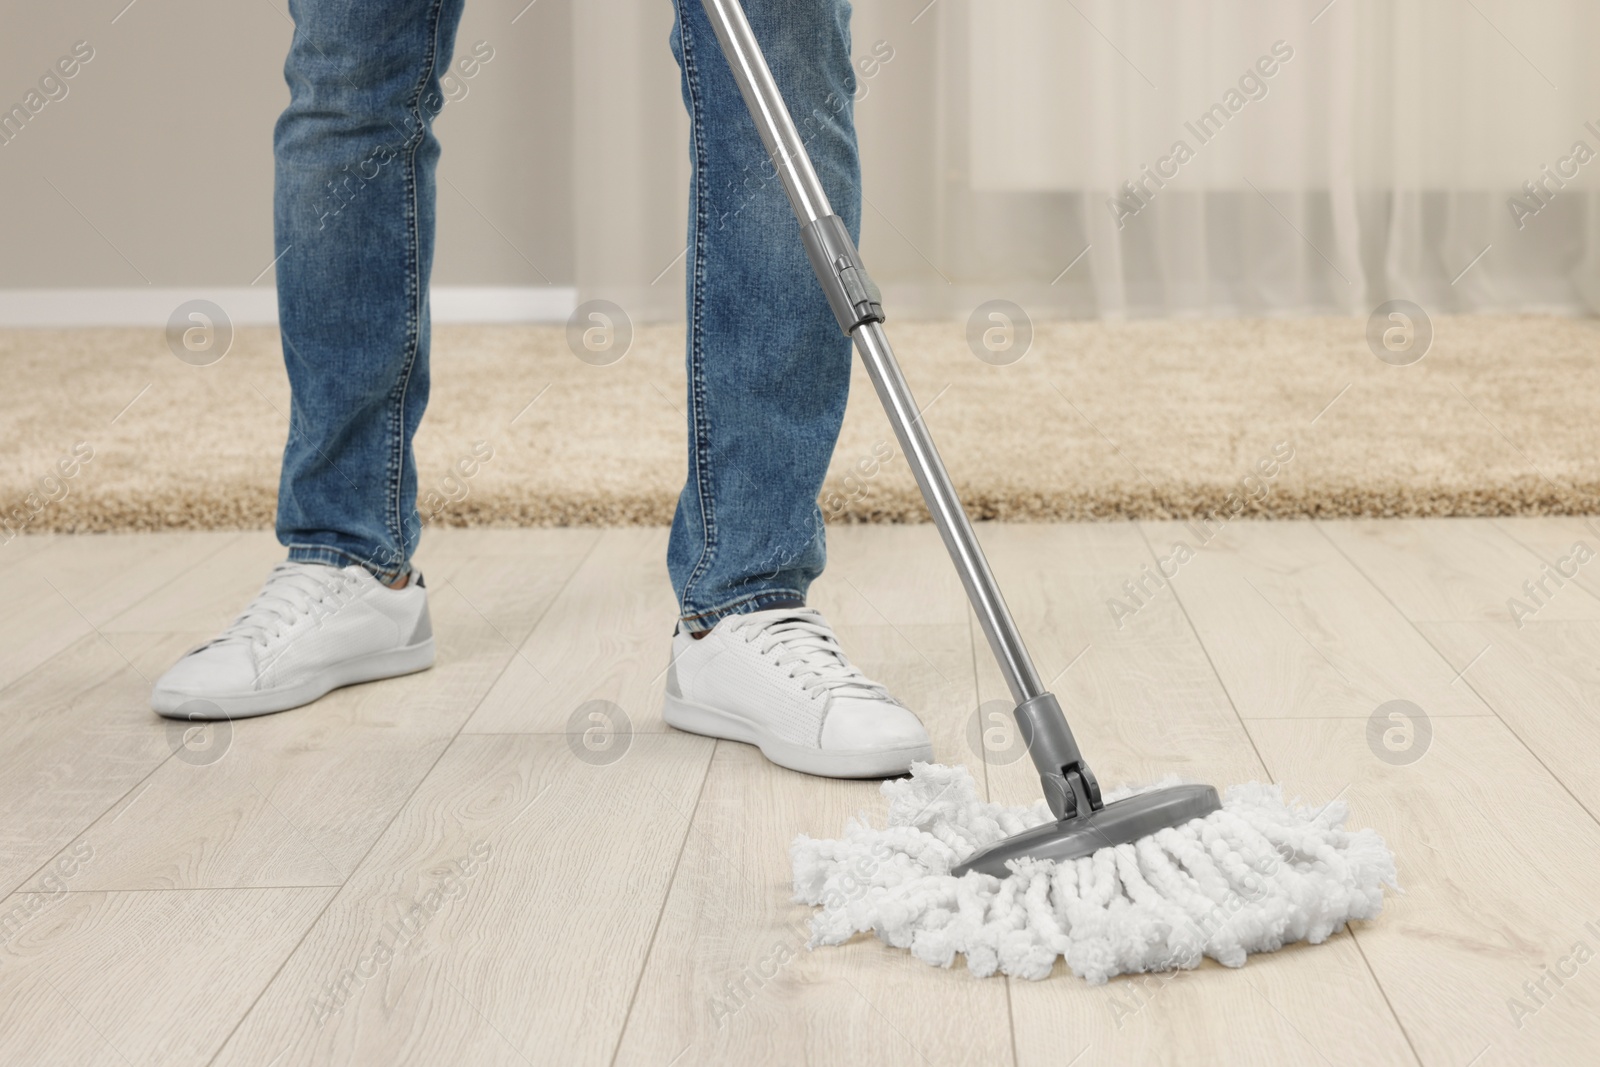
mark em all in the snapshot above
pixel 220 670
pixel 859 725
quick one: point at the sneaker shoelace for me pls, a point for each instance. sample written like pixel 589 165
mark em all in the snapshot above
pixel 806 644
pixel 293 590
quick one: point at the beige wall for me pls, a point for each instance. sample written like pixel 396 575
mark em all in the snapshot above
pixel 163 144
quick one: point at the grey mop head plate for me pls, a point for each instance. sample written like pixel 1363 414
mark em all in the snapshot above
pixel 1121 822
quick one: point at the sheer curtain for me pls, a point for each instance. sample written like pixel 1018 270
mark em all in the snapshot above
pixel 1151 157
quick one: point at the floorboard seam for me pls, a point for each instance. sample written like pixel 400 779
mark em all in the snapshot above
pixel 1554 777
pixel 1260 759
pixel 666 896
pixel 517 648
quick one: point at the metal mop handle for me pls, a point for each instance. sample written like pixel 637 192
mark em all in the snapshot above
pixel 1069 785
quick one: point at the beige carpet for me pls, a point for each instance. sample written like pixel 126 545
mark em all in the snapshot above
pixel 1099 421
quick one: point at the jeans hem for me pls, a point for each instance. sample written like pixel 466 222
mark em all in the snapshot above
pixel 705 620
pixel 338 557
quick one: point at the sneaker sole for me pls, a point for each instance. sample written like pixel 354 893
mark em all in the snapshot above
pixel 369 668
pixel 731 726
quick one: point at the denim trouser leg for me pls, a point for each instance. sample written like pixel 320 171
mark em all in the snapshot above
pixel 355 158
pixel 768 368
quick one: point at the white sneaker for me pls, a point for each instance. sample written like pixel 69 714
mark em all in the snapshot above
pixel 779 680
pixel 312 628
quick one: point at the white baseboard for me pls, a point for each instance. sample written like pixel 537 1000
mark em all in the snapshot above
pixel 258 305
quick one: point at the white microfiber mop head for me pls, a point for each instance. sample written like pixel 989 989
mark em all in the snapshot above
pixel 1255 876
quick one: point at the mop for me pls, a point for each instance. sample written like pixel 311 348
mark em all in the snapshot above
pixel 1253 876
pixel 1130 880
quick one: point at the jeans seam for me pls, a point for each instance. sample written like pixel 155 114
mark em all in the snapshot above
pixel 700 442
pixel 397 412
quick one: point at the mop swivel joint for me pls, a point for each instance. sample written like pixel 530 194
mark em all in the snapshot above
pixel 1072 793
pixel 852 294
pixel 1070 787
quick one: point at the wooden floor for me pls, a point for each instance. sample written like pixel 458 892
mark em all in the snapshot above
pixel 470 866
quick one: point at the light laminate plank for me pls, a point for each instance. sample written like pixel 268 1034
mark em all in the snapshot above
pixel 534 881
pixel 141 978
pixel 76 736
pixel 1459 570
pixel 206 595
pixel 75 586
pixel 1552 537
pixel 1497 864
pixel 1307 635
pixel 1543 681
pixel 607 637
pixel 873 567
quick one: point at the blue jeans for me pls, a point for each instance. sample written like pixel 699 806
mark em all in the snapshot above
pixel 768 369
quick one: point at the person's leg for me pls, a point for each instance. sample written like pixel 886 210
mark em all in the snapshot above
pixel 354 210
pixel 354 236
pixel 768 375
pixel 768 368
